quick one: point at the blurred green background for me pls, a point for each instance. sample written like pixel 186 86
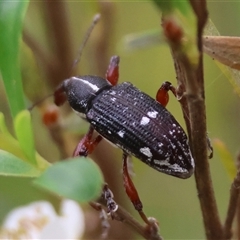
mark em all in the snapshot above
pixel 172 201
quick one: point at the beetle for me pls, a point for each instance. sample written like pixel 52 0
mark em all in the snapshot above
pixel 131 120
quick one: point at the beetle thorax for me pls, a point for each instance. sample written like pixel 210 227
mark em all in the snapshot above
pixel 80 91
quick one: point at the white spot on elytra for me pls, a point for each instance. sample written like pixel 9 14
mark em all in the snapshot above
pixel 146 151
pixel 160 144
pixel 94 87
pixel 144 120
pixel 176 168
pixel 162 162
pixel 152 114
pixel 121 133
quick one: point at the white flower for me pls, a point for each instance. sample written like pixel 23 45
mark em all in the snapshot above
pixel 39 220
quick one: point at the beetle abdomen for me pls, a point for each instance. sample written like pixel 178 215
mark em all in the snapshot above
pixel 142 127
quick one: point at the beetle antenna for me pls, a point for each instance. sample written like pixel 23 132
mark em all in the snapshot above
pixel 88 33
pixel 79 54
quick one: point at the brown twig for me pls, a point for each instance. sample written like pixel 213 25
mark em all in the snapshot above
pixel 197 111
pixel 233 204
pixel 123 216
pixel 193 103
pixel 60 37
pixel 103 42
pixel 238 220
pixel 56 63
pixel 37 49
pixel 191 82
pixel 232 207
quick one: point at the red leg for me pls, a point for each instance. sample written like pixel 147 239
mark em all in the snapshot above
pixel 112 73
pixel 162 94
pixel 59 95
pixel 87 145
pixel 131 190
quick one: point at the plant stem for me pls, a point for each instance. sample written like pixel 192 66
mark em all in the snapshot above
pixel 123 216
pixel 196 103
pixel 60 38
pixel 192 99
pixel 233 204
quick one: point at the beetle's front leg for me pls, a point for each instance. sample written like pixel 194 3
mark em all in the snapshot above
pixel 60 95
pixel 87 145
pixel 131 190
pixel 162 94
pixel 163 97
pixel 112 73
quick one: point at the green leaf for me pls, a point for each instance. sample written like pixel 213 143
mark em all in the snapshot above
pixel 10 144
pixel 79 179
pixel 11 19
pixel 34 87
pixel 11 165
pixel 226 158
pixel 23 130
pixel 3 127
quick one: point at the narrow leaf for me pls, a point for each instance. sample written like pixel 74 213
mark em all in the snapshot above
pixel 226 158
pixel 11 165
pixel 23 129
pixel 79 179
pixel 11 18
pixel 3 127
pixel 10 144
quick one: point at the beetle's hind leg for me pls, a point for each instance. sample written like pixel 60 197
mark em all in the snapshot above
pixel 131 190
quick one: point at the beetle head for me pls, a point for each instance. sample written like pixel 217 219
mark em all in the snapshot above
pixel 79 91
